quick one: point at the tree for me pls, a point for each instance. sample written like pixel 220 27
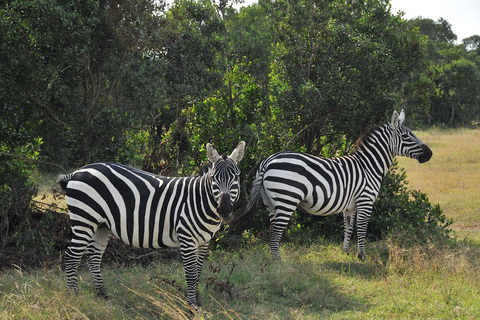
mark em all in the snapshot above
pixel 67 63
pixel 345 67
pixel 194 68
pixel 440 30
pixel 459 93
pixel 472 44
pixel 451 77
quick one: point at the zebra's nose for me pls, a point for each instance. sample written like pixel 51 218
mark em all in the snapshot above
pixel 426 155
pixel 225 206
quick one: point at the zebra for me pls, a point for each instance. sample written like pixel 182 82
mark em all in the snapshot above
pixel 350 184
pixel 149 211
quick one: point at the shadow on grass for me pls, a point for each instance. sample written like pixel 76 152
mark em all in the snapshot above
pixel 294 288
pixel 364 269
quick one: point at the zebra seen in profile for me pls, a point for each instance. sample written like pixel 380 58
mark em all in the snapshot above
pixel 323 186
pixel 149 211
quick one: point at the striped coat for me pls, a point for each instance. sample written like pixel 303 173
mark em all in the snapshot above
pixel 149 211
pixel 350 185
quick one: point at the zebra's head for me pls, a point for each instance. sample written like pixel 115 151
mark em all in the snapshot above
pixel 405 143
pixel 225 179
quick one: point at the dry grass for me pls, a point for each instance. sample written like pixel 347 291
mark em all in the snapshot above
pixel 437 281
pixel 452 177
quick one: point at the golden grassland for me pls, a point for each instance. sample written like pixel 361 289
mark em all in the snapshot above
pixel 452 177
pixel 435 280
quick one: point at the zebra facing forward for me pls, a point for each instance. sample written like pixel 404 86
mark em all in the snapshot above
pixel 325 186
pixel 149 211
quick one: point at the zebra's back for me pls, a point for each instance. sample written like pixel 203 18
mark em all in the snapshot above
pixel 140 208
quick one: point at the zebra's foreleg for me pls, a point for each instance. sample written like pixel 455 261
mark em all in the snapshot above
pixel 94 253
pixel 202 252
pixel 363 216
pixel 348 222
pixel 190 264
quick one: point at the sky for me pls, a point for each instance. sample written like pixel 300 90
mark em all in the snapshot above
pixel 463 15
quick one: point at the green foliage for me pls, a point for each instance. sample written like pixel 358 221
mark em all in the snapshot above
pixel 472 44
pixel 440 30
pixel 66 63
pixel 133 82
pixel 452 77
pixel 459 93
pixel 340 62
pixel 16 186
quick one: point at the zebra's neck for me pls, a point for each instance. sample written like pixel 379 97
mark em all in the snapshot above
pixel 374 152
pixel 203 187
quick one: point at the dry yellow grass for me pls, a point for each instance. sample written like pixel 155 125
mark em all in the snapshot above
pixel 452 177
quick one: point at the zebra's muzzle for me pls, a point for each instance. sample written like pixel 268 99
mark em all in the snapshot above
pixel 426 154
pixel 224 207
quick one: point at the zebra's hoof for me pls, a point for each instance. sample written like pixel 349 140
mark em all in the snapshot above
pixel 103 295
pixel 194 308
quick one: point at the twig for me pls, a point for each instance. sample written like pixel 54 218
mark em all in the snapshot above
pixel 53 206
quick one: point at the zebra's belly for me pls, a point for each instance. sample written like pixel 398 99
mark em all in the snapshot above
pixel 324 206
pixel 322 212
pixel 156 242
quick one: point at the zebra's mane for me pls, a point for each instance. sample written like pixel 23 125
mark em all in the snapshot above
pixel 363 140
pixel 204 169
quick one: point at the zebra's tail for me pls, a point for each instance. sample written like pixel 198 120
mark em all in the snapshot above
pixel 63 179
pixel 253 202
pixel 255 195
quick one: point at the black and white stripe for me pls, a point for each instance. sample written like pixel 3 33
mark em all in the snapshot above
pixel 325 186
pixel 149 211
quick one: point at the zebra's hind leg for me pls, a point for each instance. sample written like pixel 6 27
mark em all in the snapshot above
pixel 278 223
pixel 348 222
pixel 75 251
pixel 363 216
pixel 94 253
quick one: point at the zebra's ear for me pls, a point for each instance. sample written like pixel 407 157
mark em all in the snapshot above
pixel 395 120
pixel 237 154
pixel 401 117
pixel 212 154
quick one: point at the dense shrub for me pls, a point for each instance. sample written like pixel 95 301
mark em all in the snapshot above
pixel 16 187
pixel 399 209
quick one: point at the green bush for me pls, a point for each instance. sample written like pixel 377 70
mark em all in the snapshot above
pixel 399 209
pixel 16 187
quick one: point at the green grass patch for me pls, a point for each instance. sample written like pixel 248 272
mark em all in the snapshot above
pixel 440 280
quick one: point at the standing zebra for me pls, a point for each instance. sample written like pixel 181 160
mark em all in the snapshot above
pixel 149 211
pixel 325 186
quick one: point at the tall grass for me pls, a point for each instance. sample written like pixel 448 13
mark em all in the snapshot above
pixel 440 280
pixel 452 177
